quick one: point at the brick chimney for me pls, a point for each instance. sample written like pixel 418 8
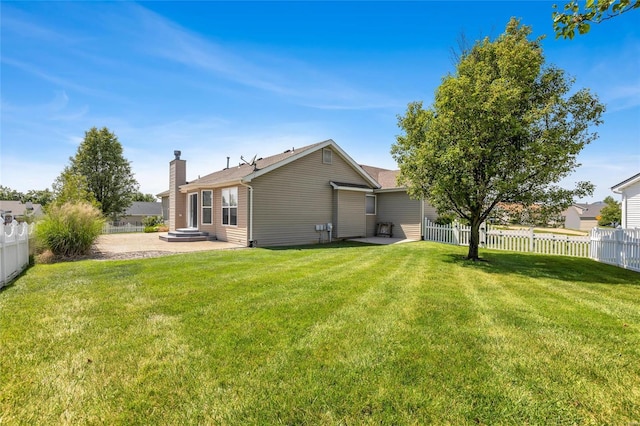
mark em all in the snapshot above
pixel 177 200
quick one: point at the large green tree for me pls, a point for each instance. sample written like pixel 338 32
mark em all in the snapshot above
pixel 611 213
pixel 504 127
pixel 579 18
pixel 108 174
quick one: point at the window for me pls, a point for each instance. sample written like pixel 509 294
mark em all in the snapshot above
pixel 207 207
pixel 370 204
pixel 326 156
pixel 230 206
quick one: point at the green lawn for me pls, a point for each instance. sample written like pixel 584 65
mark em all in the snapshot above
pixel 348 334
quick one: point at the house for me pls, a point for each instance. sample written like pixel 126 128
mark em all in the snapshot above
pixel 307 195
pixel 630 190
pixel 138 210
pixel 583 217
pixel 11 210
pixel 164 197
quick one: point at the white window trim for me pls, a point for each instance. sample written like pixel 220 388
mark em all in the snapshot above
pixel 222 207
pixel 189 210
pixel 375 205
pixel 203 207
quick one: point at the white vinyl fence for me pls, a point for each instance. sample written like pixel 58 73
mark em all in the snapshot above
pixel 109 228
pixel 523 240
pixel 620 247
pixel 14 251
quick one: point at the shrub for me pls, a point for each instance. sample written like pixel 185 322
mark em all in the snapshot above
pixel 446 218
pixel 156 228
pixel 70 229
pixel 151 221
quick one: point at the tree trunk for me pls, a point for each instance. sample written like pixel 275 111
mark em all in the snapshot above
pixel 474 241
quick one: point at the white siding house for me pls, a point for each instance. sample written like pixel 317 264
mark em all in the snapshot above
pixel 630 190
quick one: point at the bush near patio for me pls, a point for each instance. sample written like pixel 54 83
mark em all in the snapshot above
pixel 154 224
pixel 70 229
pixel 332 334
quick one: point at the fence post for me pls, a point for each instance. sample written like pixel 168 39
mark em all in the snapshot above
pixel 3 255
pixel 618 247
pixel 456 232
pixel 532 240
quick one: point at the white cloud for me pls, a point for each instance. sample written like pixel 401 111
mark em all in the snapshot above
pixel 290 78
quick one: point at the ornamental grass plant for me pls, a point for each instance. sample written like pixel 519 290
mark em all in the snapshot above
pixel 70 229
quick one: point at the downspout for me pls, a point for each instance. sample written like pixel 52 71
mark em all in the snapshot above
pixel 422 219
pixel 251 244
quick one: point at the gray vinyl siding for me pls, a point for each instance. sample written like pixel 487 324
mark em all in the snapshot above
pixel 403 212
pixel 632 207
pixel 289 201
pixel 430 212
pixel 371 225
pixel 351 219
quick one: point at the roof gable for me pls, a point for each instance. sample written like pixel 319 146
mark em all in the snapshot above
pixel 245 173
pixel 626 183
pixel 387 179
pixel 588 211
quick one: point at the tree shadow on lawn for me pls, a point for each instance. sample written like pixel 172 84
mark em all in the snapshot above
pixel 563 268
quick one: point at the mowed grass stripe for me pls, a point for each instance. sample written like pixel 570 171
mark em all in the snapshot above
pixel 325 355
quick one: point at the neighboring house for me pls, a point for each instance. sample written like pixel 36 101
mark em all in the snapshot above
pixel 630 190
pixel 11 210
pixel 164 196
pixel 301 196
pixel 138 210
pixel 583 217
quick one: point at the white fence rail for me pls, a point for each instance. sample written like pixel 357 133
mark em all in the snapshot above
pixel 14 251
pixel 524 240
pixel 620 247
pixel 108 228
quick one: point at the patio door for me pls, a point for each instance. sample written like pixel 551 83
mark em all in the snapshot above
pixel 193 210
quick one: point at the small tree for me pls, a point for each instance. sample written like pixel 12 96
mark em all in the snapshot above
pixel 611 214
pixel 503 128
pixel 72 188
pixel 108 174
pixel 139 196
pixel 8 194
pixel 42 197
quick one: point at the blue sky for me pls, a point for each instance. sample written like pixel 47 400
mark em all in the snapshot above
pixel 219 79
